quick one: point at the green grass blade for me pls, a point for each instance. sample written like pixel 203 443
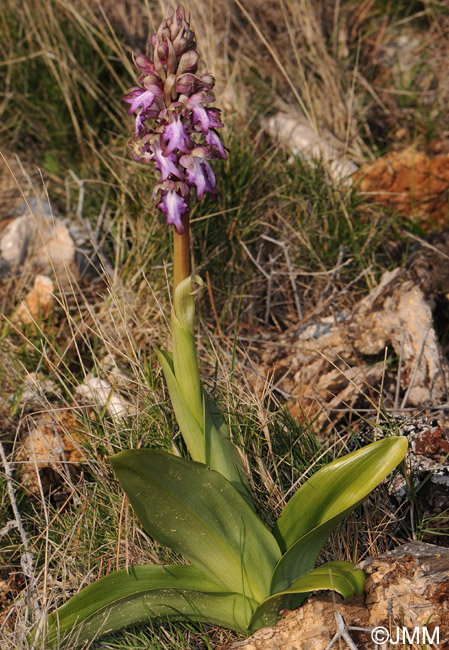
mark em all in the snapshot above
pixel 337 488
pixel 196 511
pixel 146 593
pixel 338 576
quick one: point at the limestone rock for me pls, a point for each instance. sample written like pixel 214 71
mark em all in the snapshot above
pixel 294 130
pixel 38 303
pixel 51 448
pixel 327 366
pixel 100 392
pixel 408 587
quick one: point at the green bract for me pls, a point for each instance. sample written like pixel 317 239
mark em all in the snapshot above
pixel 240 574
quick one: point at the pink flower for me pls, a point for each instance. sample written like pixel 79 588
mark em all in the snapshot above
pixel 173 205
pixel 166 164
pixel 176 137
pixel 200 174
pixel 208 118
pixel 138 97
pixel 175 128
pixel 213 140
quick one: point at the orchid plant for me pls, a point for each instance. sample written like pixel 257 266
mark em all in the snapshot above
pixel 240 574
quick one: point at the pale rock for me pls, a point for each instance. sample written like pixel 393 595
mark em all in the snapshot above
pixel 295 131
pixel 15 239
pixel 50 449
pixel 37 389
pixel 36 233
pixel 100 392
pixel 38 303
pixel 407 587
pixel 57 249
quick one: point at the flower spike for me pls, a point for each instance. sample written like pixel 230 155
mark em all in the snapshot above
pixel 175 129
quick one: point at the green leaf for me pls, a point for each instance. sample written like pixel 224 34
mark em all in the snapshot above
pixel 196 511
pixel 147 593
pixel 338 486
pixel 324 500
pixel 185 364
pixel 191 430
pixel 184 302
pixel 221 454
pixel 185 361
pixel 338 576
pixel 210 443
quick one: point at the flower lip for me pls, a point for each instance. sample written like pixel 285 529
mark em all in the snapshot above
pixel 166 164
pixel 200 174
pixel 207 118
pixel 137 97
pixel 213 140
pixel 176 137
pixel 174 206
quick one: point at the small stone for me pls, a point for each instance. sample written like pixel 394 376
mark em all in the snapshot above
pixel 49 450
pixel 57 249
pixel 295 131
pixel 37 390
pixel 100 392
pixel 15 239
pixel 38 303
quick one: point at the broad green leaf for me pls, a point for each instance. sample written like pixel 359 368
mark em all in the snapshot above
pixel 301 557
pixel 338 576
pixel 191 430
pixel 147 593
pixel 337 488
pixel 196 511
pixel 324 500
pixel 221 454
pixel 211 444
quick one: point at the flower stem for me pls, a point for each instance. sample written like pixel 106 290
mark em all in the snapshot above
pixel 181 252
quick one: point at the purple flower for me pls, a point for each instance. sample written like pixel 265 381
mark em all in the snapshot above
pixel 213 140
pixel 173 205
pixel 175 128
pixel 176 137
pixel 200 174
pixel 166 164
pixel 144 64
pixel 140 118
pixel 207 118
pixel 137 97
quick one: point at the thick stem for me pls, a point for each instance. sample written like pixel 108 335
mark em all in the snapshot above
pixel 181 253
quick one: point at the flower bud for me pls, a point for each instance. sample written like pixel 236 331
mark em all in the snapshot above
pixel 144 64
pixel 188 62
pixel 185 83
